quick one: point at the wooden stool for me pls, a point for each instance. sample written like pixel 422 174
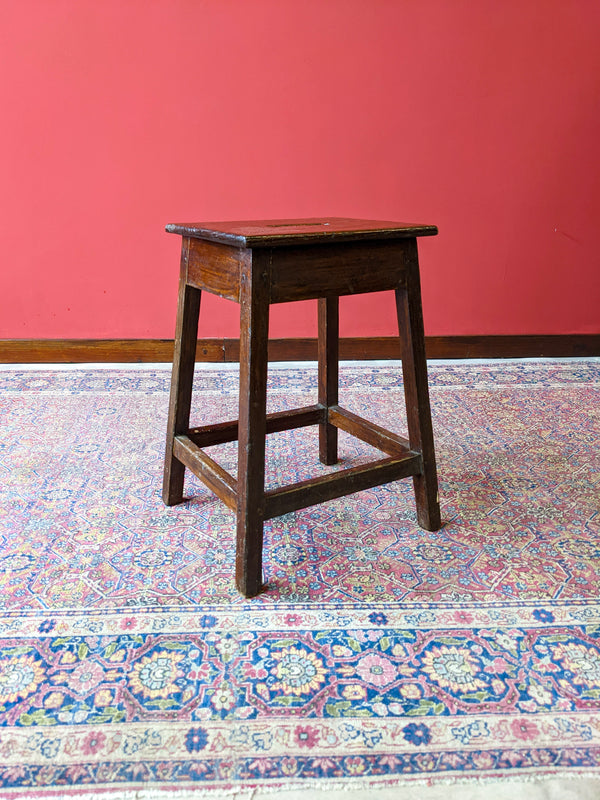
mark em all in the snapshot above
pixel 275 261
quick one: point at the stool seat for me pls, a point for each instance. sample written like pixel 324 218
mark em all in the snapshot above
pixel 279 232
pixel 258 263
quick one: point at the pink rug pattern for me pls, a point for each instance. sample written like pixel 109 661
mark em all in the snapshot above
pixel 379 654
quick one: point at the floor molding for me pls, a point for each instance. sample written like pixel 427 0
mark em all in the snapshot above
pixel 71 351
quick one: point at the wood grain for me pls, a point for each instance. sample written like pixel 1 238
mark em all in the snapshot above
pixel 128 351
pixel 216 267
pixel 254 332
pixel 416 392
pixel 328 379
pixel 222 432
pixel 335 269
pixel 182 378
pixel 368 431
pixel 285 232
pixel 337 484
pixel 204 467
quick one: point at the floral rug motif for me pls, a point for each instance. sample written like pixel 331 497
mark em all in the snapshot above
pixel 380 654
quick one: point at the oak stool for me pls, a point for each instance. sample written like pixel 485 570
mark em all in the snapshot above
pixel 276 261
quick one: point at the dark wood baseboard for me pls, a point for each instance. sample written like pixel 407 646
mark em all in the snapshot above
pixel 76 351
pixel 551 346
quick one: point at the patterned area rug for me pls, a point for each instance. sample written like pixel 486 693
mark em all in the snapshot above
pixel 380 654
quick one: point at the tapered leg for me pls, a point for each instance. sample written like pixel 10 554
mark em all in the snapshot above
pixel 254 332
pixel 414 370
pixel 328 374
pixel 188 310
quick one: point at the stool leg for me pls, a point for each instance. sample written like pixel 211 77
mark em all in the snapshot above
pixel 414 370
pixel 254 332
pixel 188 310
pixel 328 374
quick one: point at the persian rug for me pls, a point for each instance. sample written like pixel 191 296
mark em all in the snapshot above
pixel 379 656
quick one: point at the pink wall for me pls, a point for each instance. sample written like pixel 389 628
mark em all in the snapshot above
pixel 119 116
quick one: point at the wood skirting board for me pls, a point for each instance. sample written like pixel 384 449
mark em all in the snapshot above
pixel 65 351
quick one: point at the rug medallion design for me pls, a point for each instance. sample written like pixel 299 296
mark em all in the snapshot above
pixel 380 654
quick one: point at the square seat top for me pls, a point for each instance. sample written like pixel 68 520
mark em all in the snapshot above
pixel 281 232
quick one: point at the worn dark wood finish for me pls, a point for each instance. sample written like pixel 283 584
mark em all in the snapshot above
pixel 270 262
pixel 182 379
pixel 416 391
pixel 359 348
pixel 100 351
pixel 222 432
pixel 286 232
pixel 335 269
pixel 372 434
pixel 337 484
pixel 254 333
pixel 538 346
pixel 204 467
pixel 82 351
pixel 329 334
pixel 216 267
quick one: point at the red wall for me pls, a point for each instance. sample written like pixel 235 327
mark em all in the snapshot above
pixel 119 116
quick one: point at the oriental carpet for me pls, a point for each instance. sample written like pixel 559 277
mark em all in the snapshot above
pixel 380 654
